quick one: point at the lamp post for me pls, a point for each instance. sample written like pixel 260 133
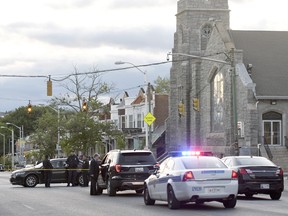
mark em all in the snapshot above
pixel 231 62
pixel 145 84
pixel 3 148
pixel 21 136
pixel 12 150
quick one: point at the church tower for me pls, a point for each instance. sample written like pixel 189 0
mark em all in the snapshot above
pixel 194 26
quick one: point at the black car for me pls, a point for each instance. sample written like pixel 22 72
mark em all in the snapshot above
pixel 30 177
pixel 125 170
pixel 257 175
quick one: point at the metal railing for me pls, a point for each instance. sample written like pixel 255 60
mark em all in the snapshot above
pixel 286 141
pixel 267 148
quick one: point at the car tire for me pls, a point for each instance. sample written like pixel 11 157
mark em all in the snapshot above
pixel 140 191
pixel 80 180
pixel 31 181
pixel 230 203
pixel 173 203
pixel 99 190
pixel 147 198
pixel 111 191
pixel 275 195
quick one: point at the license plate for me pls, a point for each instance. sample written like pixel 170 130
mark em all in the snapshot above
pixel 213 190
pixel 139 169
pixel 264 186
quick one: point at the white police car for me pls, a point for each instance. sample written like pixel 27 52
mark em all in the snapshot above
pixel 192 178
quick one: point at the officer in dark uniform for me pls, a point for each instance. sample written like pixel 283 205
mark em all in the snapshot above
pixel 47 166
pixel 72 162
pixel 94 172
pixel 85 169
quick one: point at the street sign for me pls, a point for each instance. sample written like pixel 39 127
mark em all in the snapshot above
pixel 149 118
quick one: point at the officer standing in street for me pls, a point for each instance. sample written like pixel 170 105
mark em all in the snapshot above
pixel 72 162
pixel 47 166
pixel 85 168
pixel 94 172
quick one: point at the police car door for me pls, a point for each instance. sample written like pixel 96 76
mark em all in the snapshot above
pixel 165 176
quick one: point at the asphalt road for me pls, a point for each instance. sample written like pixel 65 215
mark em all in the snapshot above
pixel 63 201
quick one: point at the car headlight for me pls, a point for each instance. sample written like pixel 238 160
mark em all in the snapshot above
pixel 19 174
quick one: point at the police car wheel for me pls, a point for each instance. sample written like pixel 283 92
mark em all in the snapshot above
pixel 99 190
pixel 230 203
pixel 173 203
pixel 147 198
pixel 111 191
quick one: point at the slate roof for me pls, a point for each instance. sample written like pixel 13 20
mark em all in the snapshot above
pixel 267 51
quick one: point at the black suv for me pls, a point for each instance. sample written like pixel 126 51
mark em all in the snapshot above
pixel 125 170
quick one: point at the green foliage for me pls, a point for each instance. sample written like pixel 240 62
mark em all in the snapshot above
pixel 162 85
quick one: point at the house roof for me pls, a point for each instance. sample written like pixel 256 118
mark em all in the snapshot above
pixel 267 51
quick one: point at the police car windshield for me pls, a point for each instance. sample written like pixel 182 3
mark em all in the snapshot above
pixel 137 158
pixel 202 162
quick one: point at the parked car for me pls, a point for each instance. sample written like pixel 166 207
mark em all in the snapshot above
pixel 2 168
pixel 198 179
pixel 125 170
pixel 257 175
pixel 30 177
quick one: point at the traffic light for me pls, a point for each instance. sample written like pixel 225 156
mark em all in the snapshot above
pixel 29 108
pixel 84 106
pixel 196 105
pixel 181 109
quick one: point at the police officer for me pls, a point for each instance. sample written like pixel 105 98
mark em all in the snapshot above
pixel 72 162
pixel 94 172
pixel 47 166
pixel 85 168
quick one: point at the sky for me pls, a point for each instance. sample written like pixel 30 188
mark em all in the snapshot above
pixel 41 38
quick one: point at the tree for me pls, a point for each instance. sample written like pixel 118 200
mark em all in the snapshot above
pixel 162 85
pixel 83 126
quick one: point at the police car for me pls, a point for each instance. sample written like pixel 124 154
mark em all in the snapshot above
pixel 192 178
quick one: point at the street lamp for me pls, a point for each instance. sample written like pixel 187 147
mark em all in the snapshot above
pixel 145 84
pixel 12 156
pixel 21 136
pixel 3 148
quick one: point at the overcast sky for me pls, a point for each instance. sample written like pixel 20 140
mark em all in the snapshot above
pixel 51 37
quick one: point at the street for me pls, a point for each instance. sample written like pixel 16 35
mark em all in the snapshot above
pixel 64 201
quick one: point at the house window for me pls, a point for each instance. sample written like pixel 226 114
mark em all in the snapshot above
pixel 131 123
pixel 122 122
pixel 217 103
pixel 139 121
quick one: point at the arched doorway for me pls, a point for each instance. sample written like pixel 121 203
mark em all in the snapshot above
pixel 272 128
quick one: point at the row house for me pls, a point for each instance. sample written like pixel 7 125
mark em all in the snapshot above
pixel 129 116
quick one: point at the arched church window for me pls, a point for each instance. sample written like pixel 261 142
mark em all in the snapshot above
pixel 272 116
pixel 217 103
pixel 205 35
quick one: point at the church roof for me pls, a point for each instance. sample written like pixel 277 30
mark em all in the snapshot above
pixel 267 51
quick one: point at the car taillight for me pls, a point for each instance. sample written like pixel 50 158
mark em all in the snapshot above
pixel 245 171
pixel 118 168
pixel 279 172
pixel 234 175
pixel 188 176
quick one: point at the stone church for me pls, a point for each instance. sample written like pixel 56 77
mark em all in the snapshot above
pixel 229 89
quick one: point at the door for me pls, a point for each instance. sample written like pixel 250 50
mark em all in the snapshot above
pixel 272 132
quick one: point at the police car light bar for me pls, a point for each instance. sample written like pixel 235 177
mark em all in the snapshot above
pixel 189 153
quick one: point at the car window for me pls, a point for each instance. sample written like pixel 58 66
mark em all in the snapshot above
pixel 254 161
pixel 136 158
pixel 228 162
pixel 202 163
